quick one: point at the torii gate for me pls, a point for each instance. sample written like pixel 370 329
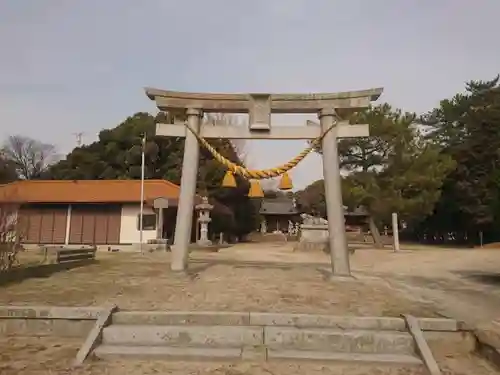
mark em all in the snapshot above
pixel 330 107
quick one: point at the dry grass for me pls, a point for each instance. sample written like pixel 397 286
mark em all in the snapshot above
pixel 145 282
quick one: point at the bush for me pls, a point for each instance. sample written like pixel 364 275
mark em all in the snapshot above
pixel 9 237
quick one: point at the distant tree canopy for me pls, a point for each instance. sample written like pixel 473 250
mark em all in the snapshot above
pixel 440 172
pixel 466 128
pixel 311 200
pixel 117 155
pixel 393 170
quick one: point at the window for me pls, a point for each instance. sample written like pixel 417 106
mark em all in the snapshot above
pixel 148 222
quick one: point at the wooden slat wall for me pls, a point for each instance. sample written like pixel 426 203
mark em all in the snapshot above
pixel 88 228
pixel 101 227
pixel 76 226
pixel 33 221
pixel 46 226
pixel 43 224
pixel 95 224
pixel 59 234
pixel 114 224
pixel 90 224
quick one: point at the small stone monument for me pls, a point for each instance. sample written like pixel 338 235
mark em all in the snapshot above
pixel 204 209
pixel 313 234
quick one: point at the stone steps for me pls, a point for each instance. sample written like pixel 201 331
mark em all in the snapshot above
pixel 255 342
pixel 272 337
pixel 173 335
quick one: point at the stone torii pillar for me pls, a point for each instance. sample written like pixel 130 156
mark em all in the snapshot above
pixel 184 219
pixel 339 253
pixel 330 107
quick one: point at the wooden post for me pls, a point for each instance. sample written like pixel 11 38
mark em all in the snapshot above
pixel 160 223
pixel 68 225
pixel 395 232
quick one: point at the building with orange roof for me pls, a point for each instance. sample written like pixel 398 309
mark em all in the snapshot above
pixel 101 212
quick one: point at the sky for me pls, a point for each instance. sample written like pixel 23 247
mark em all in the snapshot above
pixel 69 66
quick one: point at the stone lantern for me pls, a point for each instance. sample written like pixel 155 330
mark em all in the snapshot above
pixel 204 209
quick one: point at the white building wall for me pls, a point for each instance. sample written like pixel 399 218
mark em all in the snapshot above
pixel 129 230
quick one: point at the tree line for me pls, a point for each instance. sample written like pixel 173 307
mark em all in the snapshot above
pixel 117 155
pixel 440 171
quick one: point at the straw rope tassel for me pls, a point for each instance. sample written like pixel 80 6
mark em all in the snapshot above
pixel 263 173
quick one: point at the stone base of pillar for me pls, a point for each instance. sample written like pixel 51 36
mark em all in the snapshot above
pixel 181 275
pixel 330 276
pixel 204 243
pixel 338 278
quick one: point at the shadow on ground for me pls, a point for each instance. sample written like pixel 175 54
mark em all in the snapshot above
pixel 489 278
pixel 19 274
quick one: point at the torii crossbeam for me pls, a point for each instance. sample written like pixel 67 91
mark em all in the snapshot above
pixel 330 107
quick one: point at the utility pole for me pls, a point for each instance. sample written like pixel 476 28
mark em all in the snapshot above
pixel 78 138
pixel 141 214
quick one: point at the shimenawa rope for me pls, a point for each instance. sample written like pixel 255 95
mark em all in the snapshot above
pixel 263 173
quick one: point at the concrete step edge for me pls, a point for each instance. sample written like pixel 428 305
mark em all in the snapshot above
pixel 308 330
pixel 196 353
pixel 187 318
pixel 396 359
pixel 278 319
pixel 112 351
pixel 338 331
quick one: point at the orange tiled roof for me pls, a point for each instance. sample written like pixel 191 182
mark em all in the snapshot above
pixel 86 191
